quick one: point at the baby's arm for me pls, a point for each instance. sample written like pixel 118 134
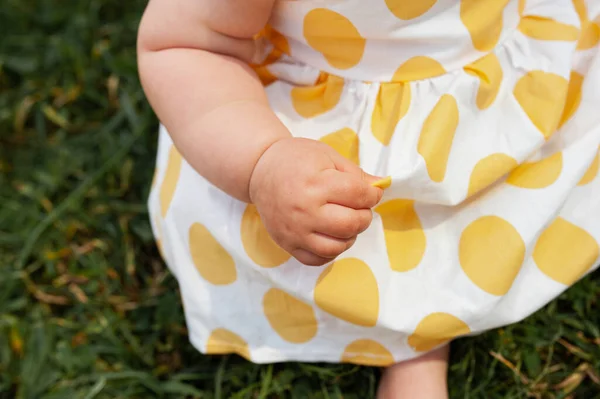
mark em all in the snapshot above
pixel 193 57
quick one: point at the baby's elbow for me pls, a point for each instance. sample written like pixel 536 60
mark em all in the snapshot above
pixel 146 34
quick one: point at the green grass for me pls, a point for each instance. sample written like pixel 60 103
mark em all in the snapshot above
pixel 87 309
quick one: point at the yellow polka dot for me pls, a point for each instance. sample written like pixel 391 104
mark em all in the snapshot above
pixel 212 261
pixel 542 97
pixel 565 252
pixel 278 40
pixel 581 9
pixel 334 36
pixel 483 20
pixel 488 170
pixel 522 4
pixel 436 329
pixel 280 47
pixel 590 35
pixel 291 318
pixel 257 242
pixel 265 76
pixel 489 72
pixel 409 9
pixel 542 28
pixel 347 289
pixel 404 236
pixel 279 44
pixel 392 103
pixel 491 252
pixel 222 341
pixel 384 183
pixel 592 171
pixel 345 142
pixel 418 68
pixel 590 30
pixel 539 174
pixel 437 135
pixel 573 97
pixel 310 101
pixel 169 184
pixel 367 352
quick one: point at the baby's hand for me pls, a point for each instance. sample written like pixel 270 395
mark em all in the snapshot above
pixel 313 201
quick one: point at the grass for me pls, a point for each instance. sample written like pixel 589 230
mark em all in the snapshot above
pixel 87 309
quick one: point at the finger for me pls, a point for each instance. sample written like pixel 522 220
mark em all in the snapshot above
pixel 325 246
pixel 344 165
pixel 370 179
pixel 308 258
pixel 350 190
pixel 342 222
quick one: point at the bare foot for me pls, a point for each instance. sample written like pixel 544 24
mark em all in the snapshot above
pixel 422 378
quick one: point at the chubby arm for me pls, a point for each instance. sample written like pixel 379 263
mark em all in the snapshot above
pixel 193 60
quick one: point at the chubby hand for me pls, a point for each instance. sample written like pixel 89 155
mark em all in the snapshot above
pixel 313 202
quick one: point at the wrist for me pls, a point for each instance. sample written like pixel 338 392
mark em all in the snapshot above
pixel 256 176
pixel 225 144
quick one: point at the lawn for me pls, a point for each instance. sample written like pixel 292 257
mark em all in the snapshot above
pixel 88 310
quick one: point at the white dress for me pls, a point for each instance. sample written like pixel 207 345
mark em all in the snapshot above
pixel 485 114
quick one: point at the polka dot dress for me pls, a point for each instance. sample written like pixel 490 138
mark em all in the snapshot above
pixel 483 113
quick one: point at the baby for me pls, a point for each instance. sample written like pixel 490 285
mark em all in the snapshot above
pixel 436 159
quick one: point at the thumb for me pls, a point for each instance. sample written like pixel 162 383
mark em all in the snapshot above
pixel 370 178
pixel 376 181
pixel 343 164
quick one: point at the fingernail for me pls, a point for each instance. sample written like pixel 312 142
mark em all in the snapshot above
pixel 383 183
